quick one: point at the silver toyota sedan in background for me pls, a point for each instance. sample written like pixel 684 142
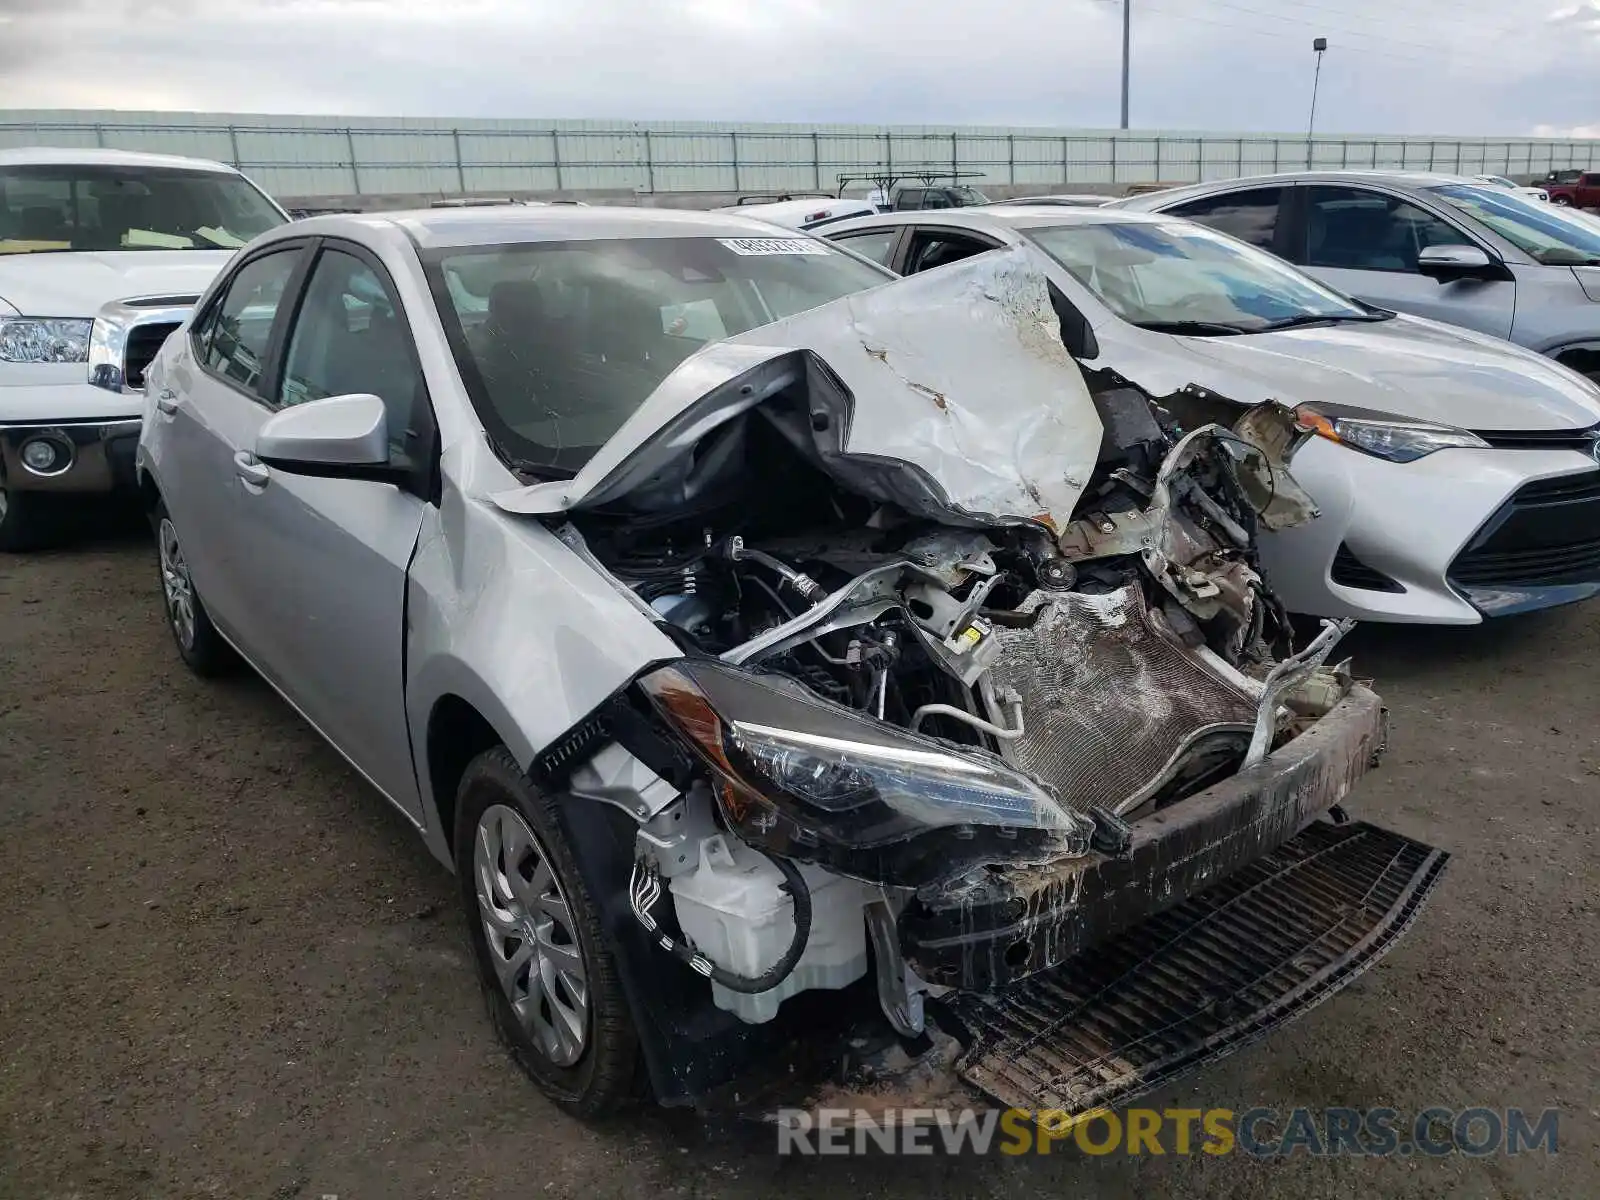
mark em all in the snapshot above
pixel 739 622
pixel 1441 246
pixel 1456 474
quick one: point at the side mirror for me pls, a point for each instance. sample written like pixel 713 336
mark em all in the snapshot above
pixel 1448 263
pixel 341 437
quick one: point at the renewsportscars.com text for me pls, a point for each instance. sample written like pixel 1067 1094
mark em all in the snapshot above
pixel 1257 1132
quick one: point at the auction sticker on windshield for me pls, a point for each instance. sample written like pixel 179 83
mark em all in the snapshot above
pixel 773 246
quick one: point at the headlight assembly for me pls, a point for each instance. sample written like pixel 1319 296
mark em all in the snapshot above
pixel 44 339
pixel 809 779
pixel 1393 438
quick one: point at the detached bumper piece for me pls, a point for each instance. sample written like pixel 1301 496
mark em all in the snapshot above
pixel 984 932
pixel 1201 980
pixel 1541 548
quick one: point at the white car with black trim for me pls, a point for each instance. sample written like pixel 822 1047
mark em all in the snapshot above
pixel 102 252
pixel 1456 474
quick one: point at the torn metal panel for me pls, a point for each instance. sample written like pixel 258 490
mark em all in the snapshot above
pixel 959 374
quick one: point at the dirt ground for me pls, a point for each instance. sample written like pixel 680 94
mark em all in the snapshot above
pixel 227 968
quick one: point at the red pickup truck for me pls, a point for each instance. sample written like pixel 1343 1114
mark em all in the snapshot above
pixel 1579 189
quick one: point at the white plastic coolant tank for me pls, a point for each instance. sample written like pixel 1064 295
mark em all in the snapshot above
pixel 733 911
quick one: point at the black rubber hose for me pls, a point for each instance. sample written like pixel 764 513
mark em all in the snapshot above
pixel 780 970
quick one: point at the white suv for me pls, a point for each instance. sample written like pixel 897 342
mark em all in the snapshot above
pixel 102 253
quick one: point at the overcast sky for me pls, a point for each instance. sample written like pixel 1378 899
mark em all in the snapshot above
pixel 1395 66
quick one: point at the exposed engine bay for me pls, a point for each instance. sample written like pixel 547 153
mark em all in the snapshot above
pixel 915 701
pixel 1121 661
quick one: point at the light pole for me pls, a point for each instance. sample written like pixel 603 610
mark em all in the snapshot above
pixel 1127 45
pixel 1320 45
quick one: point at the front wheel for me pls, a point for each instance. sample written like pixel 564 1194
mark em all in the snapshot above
pixel 544 959
pixel 199 643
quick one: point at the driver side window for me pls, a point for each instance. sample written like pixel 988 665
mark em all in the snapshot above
pixel 350 336
pixel 1361 230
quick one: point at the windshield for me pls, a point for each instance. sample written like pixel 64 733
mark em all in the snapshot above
pixel 1532 226
pixel 965 197
pixel 1183 275
pixel 67 207
pixel 559 342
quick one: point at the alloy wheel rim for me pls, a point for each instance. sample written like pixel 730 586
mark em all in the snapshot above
pixel 176 584
pixel 533 945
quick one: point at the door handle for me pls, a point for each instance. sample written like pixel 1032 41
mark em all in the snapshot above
pixel 251 470
pixel 167 401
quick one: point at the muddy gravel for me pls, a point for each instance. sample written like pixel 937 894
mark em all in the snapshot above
pixel 227 968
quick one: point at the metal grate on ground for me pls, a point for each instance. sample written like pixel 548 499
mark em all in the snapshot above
pixel 1202 979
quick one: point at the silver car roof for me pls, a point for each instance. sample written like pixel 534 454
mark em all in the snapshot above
pixel 454 227
pixel 1405 180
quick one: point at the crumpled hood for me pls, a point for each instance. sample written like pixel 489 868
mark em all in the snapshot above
pixel 960 373
pixel 1406 366
pixel 77 283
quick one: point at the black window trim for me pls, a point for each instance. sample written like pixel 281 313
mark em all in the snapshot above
pixel 990 242
pixel 301 248
pixel 1282 224
pixel 425 482
pixel 896 243
pixel 1298 253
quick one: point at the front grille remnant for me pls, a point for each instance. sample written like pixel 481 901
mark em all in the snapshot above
pixel 1200 980
pixel 144 343
pixel 1547 535
pixel 1110 705
pixel 1581 440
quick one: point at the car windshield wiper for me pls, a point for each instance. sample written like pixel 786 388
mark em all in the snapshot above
pixel 1191 328
pixel 1560 256
pixel 1301 319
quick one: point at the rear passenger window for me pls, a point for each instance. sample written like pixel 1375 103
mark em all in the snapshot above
pixel 1250 216
pixel 876 244
pixel 233 340
pixel 1361 230
pixel 930 250
pixel 350 337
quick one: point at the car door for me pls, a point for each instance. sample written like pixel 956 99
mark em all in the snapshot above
pixel 209 408
pixel 327 566
pixel 330 587
pixel 1365 242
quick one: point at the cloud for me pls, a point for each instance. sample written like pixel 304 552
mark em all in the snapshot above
pixel 1197 63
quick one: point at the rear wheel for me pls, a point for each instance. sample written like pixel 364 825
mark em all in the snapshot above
pixel 199 643
pixel 1561 201
pixel 544 960
pixel 27 521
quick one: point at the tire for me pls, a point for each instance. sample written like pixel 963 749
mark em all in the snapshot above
pixel 199 644
pixel 572 1034
pixel 27 521
pixel 1561 202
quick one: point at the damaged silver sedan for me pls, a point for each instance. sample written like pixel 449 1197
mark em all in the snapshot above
pixel 744 628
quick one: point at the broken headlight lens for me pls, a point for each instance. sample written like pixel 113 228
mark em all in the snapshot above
pixel 1381 435
pixel 44 339
pixel 808 778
